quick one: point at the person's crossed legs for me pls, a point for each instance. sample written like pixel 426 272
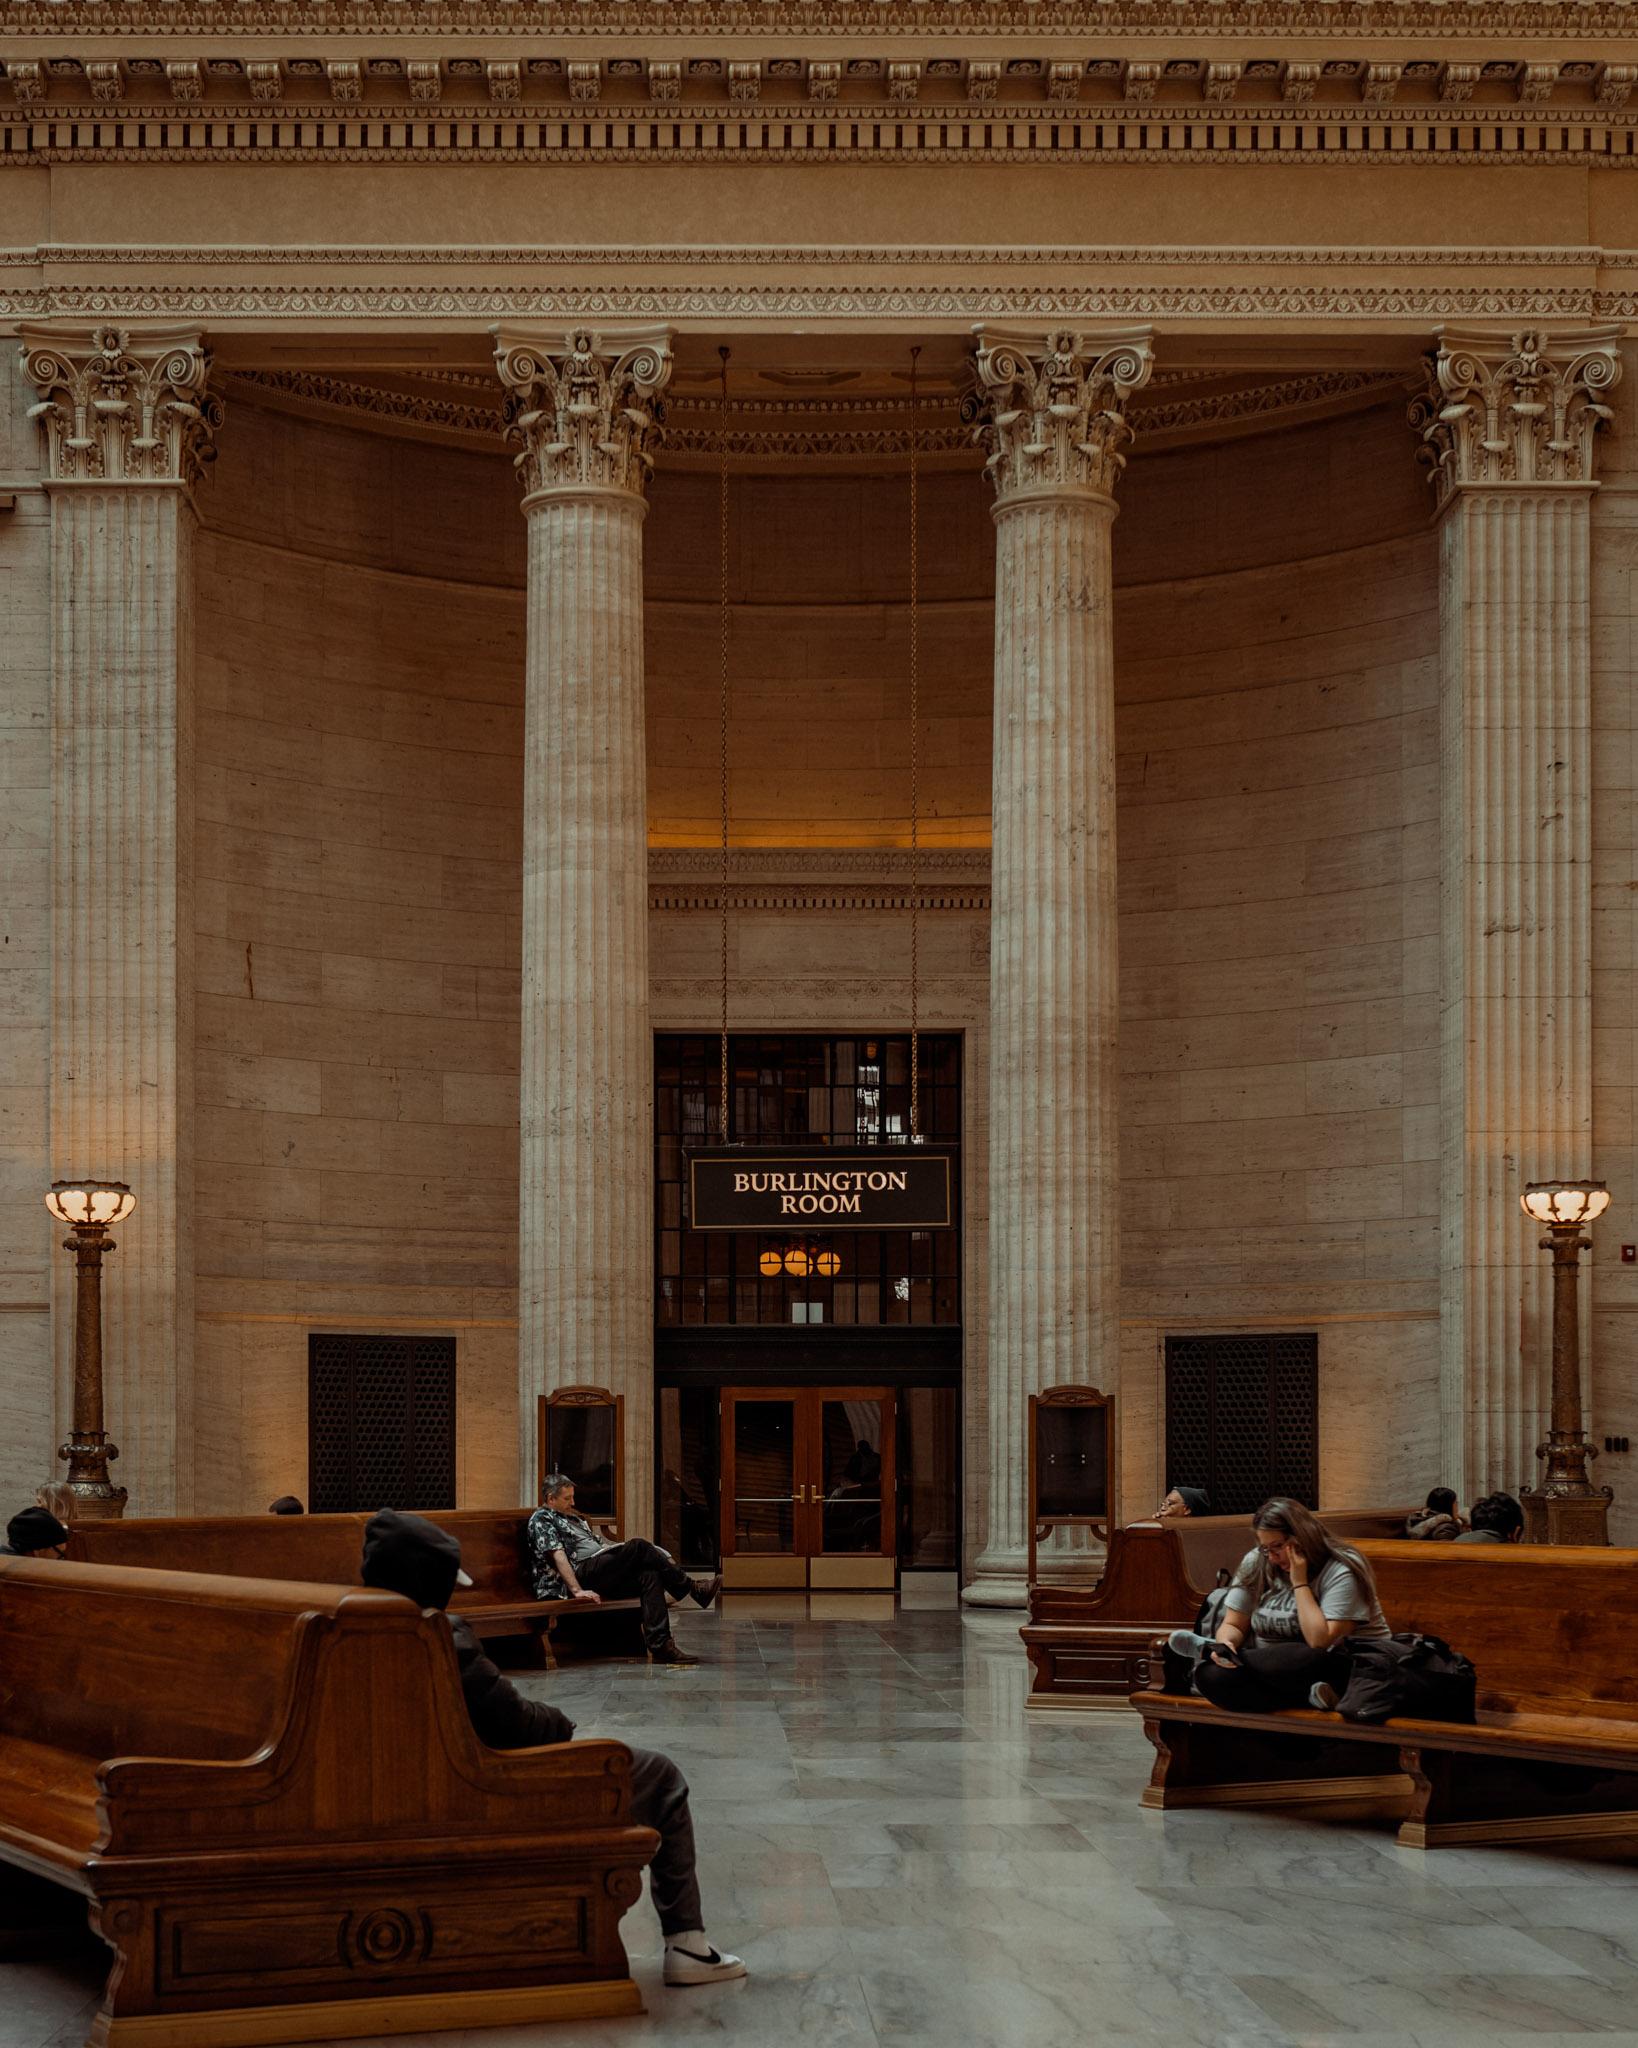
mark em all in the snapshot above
pixel 638 1568
pixel 1270 1676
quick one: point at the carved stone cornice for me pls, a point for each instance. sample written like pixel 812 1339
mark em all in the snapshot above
pixel 1511 408
pixel 1049 407
pixel 123 405
pixel 585 405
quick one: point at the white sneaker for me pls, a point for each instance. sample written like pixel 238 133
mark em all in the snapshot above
pixel 1325 1697
pixel 688 1966
pixel 1186 1643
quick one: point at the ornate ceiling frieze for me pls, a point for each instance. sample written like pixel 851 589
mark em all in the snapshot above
pixel 867 431
pixel 1319 21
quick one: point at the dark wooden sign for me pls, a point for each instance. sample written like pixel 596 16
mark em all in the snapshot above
pixel 822 1187
pixel 1071 1462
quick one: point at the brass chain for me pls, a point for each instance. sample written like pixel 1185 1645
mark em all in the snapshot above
pixel 915 755
pixel 722 736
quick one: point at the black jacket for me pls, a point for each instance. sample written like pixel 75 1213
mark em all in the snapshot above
pixel 501 1715
pixel 409 1555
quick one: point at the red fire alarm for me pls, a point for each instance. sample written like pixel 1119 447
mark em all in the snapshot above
pixel 1629 1255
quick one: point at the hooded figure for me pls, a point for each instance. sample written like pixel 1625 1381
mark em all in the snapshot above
pixel 33 1531
pixel 409 1555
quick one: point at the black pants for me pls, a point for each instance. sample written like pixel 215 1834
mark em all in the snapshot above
pixel 659 1799
pixel 1270 1677
pixel 637 1568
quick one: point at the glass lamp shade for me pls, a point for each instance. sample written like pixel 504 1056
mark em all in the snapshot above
pixel 797 1260
pixel 772 1265
pixel 1565 1201
pixel 828 1264
pixel 90 1201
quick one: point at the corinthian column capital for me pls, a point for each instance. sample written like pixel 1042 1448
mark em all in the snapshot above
pixel 123 405
pixel 1506 406
pixel 1049 407
pixel 584 404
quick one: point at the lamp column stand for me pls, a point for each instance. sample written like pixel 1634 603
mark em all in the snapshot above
pixel 88 1451
pixel 1568 1508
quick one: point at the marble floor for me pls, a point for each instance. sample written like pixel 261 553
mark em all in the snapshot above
pixel 904 1857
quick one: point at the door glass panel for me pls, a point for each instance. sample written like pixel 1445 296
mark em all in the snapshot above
pixel 851 1475
pixel 764 1477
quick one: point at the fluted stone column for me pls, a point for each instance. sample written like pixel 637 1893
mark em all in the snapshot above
pixel 585 408
pixel 128 421
pixel 1050 411
pixel 1508 427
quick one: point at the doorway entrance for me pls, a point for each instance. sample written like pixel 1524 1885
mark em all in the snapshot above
pixel 808 1486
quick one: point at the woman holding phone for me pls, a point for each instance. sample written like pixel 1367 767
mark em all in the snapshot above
pixel 1299 1597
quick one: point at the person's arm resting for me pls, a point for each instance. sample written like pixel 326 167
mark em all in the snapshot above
pixel 565 1571
pixel 1320 1631
pixel 1236 1619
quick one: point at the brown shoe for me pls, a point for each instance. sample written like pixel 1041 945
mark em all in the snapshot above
pixel 706 1595
pixel 671 1654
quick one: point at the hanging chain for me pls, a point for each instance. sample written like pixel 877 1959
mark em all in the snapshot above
pixel 915 755
pixel 722 736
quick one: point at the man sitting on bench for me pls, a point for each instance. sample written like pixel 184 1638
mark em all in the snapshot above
pixel 405 1554
pixel 568 1560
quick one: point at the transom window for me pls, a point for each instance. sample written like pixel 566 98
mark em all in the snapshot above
pixel 783 1090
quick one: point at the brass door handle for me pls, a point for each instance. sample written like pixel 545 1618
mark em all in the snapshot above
pixel 800 1494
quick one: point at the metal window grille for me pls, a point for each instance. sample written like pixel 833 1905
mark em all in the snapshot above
pixel 1242 1418
pixel 786 1088
pixel 380 1423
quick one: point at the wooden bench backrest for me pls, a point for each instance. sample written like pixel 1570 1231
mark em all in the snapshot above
pixel 112 1662
pixel 1211 1542
pixel 314 1548
pixel 1548 1628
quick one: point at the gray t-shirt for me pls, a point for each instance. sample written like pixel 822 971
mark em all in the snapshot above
pixel 1342 1595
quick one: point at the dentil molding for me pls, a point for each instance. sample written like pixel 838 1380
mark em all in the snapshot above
pixel 1515 409
pixel 122 407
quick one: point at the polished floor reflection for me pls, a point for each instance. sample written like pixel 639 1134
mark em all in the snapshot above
pixel 902 1856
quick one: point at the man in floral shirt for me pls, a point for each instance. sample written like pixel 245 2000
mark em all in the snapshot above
pixel 568 1560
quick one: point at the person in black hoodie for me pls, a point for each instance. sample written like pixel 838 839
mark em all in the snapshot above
pixel 410 1555
pixel 35 1532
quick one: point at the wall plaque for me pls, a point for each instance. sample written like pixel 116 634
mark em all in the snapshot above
pixel 822 1187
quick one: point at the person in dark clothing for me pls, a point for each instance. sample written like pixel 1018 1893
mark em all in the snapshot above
pixel 1182 1502
pixel 1438 1521
pixel 568 1560
pixel 1497 1518
pixel 35 1532
pixel 409 1555
pixel 286 1504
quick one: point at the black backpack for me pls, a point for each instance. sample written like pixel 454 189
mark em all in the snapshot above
pixel 1417 1678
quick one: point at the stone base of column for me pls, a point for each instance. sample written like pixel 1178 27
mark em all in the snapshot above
pixel 1001 1576
pixel 1567 1517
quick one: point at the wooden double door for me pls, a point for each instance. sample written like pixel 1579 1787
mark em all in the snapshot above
pixel 808 1495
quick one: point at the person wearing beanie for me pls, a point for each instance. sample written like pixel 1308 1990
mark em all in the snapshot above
pixel 408 1554
pixel 286 1504
pixel 1183 1501
pixel 35 1532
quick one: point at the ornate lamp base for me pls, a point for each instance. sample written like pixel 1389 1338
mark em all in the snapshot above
pixel 96 1498
pixel 1567 1517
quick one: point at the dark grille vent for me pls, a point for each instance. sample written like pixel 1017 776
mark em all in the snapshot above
pixel 1242 1418
pixel 381 1423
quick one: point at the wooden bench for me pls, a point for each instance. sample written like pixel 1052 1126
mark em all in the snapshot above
pixel 1554 1753
pixel 273 1799
pixel 325 1549
pixel 1089 1646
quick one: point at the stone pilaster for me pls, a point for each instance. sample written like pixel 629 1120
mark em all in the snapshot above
pixel 585 407
pixel 1508 426
pixel 128 421
pixel 1050 410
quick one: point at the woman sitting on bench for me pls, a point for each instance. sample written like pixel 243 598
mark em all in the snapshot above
pixel 1301 1594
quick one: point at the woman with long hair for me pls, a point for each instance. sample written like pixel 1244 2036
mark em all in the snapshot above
pixel 1299 1596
